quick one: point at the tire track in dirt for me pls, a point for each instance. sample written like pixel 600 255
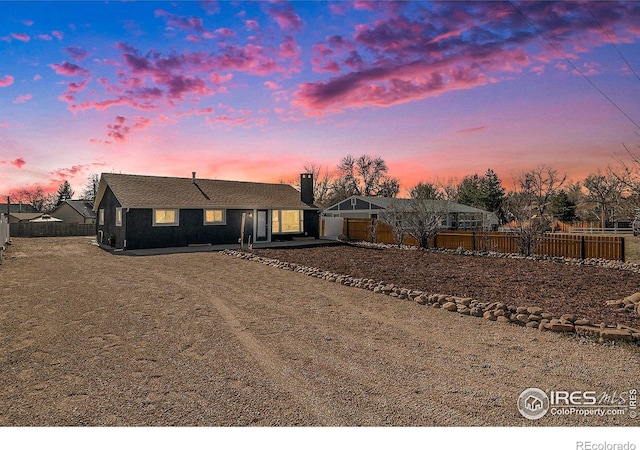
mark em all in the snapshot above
pixel 277 368
pixel 371 380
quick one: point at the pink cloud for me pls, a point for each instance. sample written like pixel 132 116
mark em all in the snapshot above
pixel 58 34
pixel 6 81
pixel 45 37
pixel 4 124
pixel 28 22
pixel 285 16
pixel 402 58
pixel 22 99
pixel 21 37
pixel 470 131
pixel 226 32
pixel 69 69
pixel 272 85
pixel 184 23
pixel 19 162
pixel 118 130
pixel 252 25
pixel 77 53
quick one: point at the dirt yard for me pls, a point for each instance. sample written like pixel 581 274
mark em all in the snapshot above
pixel 557 288
pixel 90 338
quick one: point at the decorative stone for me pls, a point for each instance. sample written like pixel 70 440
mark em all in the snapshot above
pixel 523 318
pixel 547 316
pixel 532 324
pixel 560 327
pixel 613 334
pixel 476 312
pixel 450 306
pixel 582 322
pixel 535 317
pixel 521 310
pixel 569 317
pixel 420 300
pixel 464 310
pixel 489 315
pixel 534 310
pixel 502 319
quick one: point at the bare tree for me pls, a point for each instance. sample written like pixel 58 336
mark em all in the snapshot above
pixel 526 221
pixel 322 181
pixel 365 175
pixel 36 198
pixel 90 190
pixel 425 218
pixel 605 190
pixel 541 185
pixel 420 218
pixel 396 216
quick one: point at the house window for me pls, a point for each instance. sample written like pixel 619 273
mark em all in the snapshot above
pixel 165 217
pixel 287 221
pixel 214 217
pixel 118 217
pixel 101 217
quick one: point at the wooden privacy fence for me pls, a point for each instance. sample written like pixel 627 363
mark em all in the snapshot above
pixel 52 229
pixel 552 244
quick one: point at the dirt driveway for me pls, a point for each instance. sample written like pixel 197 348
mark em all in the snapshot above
pixel 89 338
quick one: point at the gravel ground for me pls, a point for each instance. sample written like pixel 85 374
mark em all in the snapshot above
pixel 90 338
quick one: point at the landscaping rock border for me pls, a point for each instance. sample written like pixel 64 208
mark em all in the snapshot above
pixel 526 316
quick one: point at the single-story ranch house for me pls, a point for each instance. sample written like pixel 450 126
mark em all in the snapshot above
pixel 136 211
pixel 75 211
pixel 459 217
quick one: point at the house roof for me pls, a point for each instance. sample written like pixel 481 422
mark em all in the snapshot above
pixel 82 207
pixel 141 191
pixel 18 208
pixel 386 202
pixel 25 216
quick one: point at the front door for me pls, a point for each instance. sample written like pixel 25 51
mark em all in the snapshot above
pixel 262 225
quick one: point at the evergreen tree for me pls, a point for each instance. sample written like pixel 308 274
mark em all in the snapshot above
pixel 563 207
pixel 64 193
pixel 484 192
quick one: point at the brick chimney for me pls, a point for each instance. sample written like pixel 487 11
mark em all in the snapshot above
pixel 306 188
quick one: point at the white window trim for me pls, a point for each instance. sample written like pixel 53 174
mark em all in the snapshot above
pixel 224 216
pixel 118 217
pixel 172 224
pixel 101 216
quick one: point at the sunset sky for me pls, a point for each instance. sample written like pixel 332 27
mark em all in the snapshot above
pixel 254 90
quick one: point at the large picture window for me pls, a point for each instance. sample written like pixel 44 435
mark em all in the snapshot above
pixel 287 221
pixel 214 217
pixel 165 217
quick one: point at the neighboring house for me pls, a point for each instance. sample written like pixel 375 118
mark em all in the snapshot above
pixel 75 211
pixel 459 217
pixel 17 208
pixel 135 211
pixel 24 217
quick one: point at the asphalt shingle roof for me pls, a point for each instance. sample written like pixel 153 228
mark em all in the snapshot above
pixel 141 191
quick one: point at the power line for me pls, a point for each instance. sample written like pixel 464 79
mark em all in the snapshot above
pixel 611 40
pixel 573 65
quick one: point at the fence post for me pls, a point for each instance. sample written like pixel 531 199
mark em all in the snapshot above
pixel 583 250
pixel 435 240
pixel 473 241
pixel 622 248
